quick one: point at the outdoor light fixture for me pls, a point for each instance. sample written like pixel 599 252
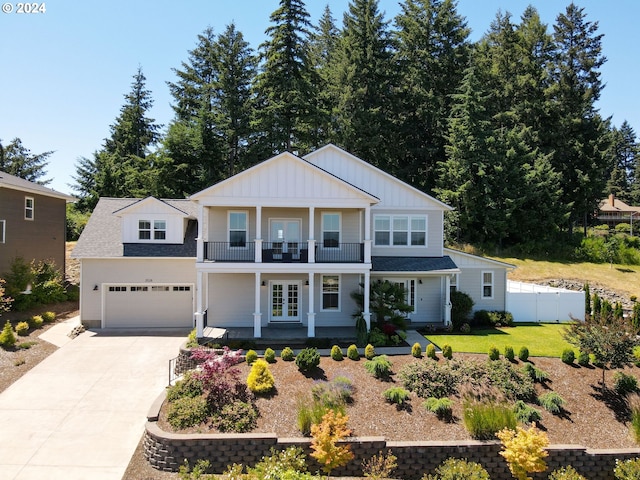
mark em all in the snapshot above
pixel 307 283
pixel 263 284
pixel 95 288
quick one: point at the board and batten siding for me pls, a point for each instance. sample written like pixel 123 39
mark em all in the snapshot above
pixel 434 235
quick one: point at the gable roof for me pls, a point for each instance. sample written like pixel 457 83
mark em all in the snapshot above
pixel 385 186
pixel 281 181
pixel 16 183
pixel 152 204
pixel 102 236
pixel 613 204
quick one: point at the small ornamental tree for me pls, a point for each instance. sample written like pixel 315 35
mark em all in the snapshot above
pixel 7 337
pixel 325 438
pixel 260 379
pixel 524 450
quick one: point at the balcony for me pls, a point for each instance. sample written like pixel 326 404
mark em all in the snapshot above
pixel 283 252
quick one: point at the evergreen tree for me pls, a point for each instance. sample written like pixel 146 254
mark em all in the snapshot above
pixel 623 155
pixel 16 159
pixel 85 184
pixel 432 51
pixel 285 106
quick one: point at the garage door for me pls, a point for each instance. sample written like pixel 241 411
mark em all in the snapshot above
pixel 148 306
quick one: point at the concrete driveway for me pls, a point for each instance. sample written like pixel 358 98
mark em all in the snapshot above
pixel 80 413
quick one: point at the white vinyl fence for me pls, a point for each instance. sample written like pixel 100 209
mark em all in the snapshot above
pixel 529 302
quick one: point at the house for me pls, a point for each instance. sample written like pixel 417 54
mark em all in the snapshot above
pixel 32 222
pixel 284 242
pixel 613 211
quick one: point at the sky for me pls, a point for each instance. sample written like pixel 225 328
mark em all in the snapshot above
pixel 64 72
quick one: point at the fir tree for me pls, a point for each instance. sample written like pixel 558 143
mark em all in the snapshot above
pixel 623 155
pixel 16 159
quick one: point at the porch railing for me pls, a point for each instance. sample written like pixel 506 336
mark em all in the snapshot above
pixel 284 252
pixel 342 253
pixel 230 252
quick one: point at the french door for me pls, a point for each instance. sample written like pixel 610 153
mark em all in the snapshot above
pixel 285 306
pixel 285 238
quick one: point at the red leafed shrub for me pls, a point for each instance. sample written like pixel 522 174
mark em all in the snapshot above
pixel 389 329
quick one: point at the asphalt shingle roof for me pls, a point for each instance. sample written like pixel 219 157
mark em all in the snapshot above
pixel 412 264
pixel 11 181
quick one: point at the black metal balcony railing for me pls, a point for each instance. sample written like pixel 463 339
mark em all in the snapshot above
pixel 229 252
pixel 342 253
pixel 284 252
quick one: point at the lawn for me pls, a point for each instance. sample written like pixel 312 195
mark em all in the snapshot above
pixel 542 339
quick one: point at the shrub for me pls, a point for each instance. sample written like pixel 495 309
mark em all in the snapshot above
pixel 7 337
pixel 36 321
pixel 251 356
pixel 379 367
pixel 481 318
pixel 188 386
pixel 624 383
pixel 458 469
pixel 192 339
pixel 494 353
pixel 442 407
pixel 186 412
pixel 429 379
pixel 22 329
pixel 311 413
pixel 270 355
pixel 484 418
pixel 431 351
pixel 465 328
pixel 583 359
pixel 534 373
pixel 369 352
pixel 308 359
pixel 635 418
pixel 501 318
pixel 568 356
pixel 627 469
pixel 523 354
pixel 447 351
pixel 461 305
pixel 397 395
pixel 552 402
pixel 287 354
pixel 332 394
pixel 506 378
pixel 525 413
pixel 238 417
pixel 336 353
pixel 509 354
pixel 353 353
pixel 48 316
pixel 524 450
pixel 377 337
pixel 260 379
pixel 379 466
pixel 416 350
pixel 566 473
pixel 326 436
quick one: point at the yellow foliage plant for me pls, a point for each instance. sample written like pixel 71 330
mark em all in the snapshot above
pixel 325 438
pixel 524 450
pixel 260 379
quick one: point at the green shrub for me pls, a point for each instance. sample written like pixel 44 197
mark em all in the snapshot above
pixel 416 350
pixel 429 379
pixel 509 354
pixel 447 351
pixel 501 319
pixel 635 418
pixel 627 469
pixel 431 351
pixel 48 316
pixel 494 353
pixel 525 413
pixel 287 354
pixel 458 469
pixel 484 418
pixel 36 321
pixel 369 352
pixel 583 359
pixel 377 337
pixel 336 353
pixel 260 379
pixel 465 328
pixel 523 354
pixel 442 407
pixel 288 464
pixel 186 412
pixel 568 356
pixel 188 386
pixel 397 395
pixel 26 345
pixel 270 355
pixel 238 417
pixel 461 306
pixel 566 473
pixel 22 329
pixel 481 318
pixel 552 402
pixel 308 359
pixel 636 355
pixel 624 383
pixel 534 373
pixel 353 353
pixel 7 337
pixel 192 339
pixel 311 413
pixel 251 356
pixel 379 367
pixel 335 393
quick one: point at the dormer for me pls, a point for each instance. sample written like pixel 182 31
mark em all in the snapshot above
pixel 153 221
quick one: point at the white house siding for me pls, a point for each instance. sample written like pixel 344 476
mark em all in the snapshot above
pixel 434 235
pixel 122 271
pixel 429 296
pixel 231 299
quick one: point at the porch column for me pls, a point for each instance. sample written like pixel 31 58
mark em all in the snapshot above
pixel 257 315
pixel 367 234
pixel 367 287
pixel 258 242
pixel 311 255
pixel 311 315
pixel 199 314
pixel 447 300
pixel 200 238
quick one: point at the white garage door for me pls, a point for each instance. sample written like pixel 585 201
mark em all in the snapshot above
pixel 148 306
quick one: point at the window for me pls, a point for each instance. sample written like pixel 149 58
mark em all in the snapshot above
pixel 139 289
pixel 453 284
pixel 3 228
pixel 487 284
pixel 331 292
pixel 117 289
pixel 330 230
pixel 28 208
pixel 148 230
pixel 144 230
pixel 237 229
pixel 182 289
pixel 400 230
pixel 159 289
pixel 159 230
pixel 409 287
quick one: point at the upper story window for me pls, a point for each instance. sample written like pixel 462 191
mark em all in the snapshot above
pixel 148 230
pixel 330 230
pixel 237 229
pixel 28 208
pixel 400 230
pixel 3 228
pixel 159 230
pixel 487 285
pixel 144 230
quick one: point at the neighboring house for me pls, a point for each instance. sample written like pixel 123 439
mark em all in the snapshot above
pixel 613 211
pixel 32 222
pixel 285 242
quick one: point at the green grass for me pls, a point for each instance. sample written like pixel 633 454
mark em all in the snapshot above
pixel 542 340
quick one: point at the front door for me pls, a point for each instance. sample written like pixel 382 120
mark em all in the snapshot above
pixel 285 238
pixel 285 301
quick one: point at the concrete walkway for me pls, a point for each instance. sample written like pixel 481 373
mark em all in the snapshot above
pixel 81 412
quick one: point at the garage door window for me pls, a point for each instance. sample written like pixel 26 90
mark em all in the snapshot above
pixel 159 289
pixel 181 289
pixel 117 289
pixel 139 289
